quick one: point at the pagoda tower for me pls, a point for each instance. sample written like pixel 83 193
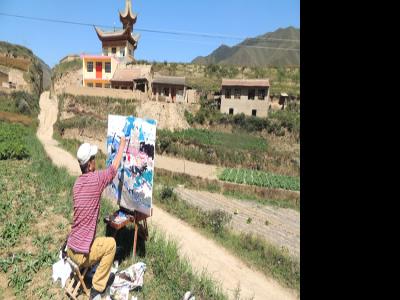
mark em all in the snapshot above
pixel 120 43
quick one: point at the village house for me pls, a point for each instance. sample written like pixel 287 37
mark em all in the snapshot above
pixel 248 96
pixel 69 57
pixel 169 88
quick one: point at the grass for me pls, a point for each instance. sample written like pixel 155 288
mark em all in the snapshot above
pixel 212 147
pixel 15 50
pixel 31 191
pixel 171 276
pixel 19 102
pixel 282 202
pixel 81 122
pixel 60 69
pixel 267 144
pixel 256 252
pixel 99 107
pixel 18 118
pixel 12 142
pixel 35 209
pixel 280 131
pixel 201 137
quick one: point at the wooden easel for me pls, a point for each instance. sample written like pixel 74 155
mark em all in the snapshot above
pixel 135 218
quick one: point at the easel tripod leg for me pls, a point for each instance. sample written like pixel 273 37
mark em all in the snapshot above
pixel 135 239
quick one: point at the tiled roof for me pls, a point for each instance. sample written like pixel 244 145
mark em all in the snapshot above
pixel 128 74
pixel 169 80
pixel 115 33
pixel 245 82
pixel 118 34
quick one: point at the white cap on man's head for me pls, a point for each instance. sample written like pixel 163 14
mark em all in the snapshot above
pixel 85 152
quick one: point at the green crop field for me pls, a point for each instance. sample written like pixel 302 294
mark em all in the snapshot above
pixel 212 147
pixel 215 138
pixel 259 178
pixel 12 142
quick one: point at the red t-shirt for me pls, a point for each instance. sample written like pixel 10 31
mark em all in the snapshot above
pixel 86 194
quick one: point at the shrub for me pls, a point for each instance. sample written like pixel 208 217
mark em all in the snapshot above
pixel 200 117
pixel 167 193
pixel 217 219
pixel 25 103
pixel 189 117
pixel 23 106
pixel 163 143
pixel 240 120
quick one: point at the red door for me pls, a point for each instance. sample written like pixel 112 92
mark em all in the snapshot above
pixel 99 67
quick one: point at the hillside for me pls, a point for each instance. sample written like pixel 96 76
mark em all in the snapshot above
pixel 253 51
pixel 28 71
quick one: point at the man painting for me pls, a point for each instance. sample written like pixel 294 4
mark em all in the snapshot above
pixel 82 246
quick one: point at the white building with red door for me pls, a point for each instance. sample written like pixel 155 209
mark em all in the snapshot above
pixel 97 70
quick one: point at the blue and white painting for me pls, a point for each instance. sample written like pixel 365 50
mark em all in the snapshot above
pixel 133 187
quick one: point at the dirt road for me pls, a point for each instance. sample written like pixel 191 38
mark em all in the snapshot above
pixel 282 228
pixel 203 254
pixel 47 118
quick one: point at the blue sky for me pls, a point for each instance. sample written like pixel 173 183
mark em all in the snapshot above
pixel 52 41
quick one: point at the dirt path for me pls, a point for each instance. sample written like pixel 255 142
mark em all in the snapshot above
pixel 185 166
pixel 203 254
pixel 282 230
pixel 47 118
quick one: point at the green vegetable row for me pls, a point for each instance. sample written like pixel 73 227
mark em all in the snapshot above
pixel 259 178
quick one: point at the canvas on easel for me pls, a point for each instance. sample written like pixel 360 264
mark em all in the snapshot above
pixel 133 186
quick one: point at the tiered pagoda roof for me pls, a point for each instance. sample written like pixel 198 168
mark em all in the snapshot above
pixel 128 18
pixel 121 34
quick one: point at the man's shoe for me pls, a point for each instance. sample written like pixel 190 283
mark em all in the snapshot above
pixel 94 293
pixel 110 280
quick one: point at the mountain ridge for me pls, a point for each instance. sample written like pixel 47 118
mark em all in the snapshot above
pixel 263 50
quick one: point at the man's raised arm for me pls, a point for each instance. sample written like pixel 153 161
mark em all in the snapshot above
pixel 118 157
